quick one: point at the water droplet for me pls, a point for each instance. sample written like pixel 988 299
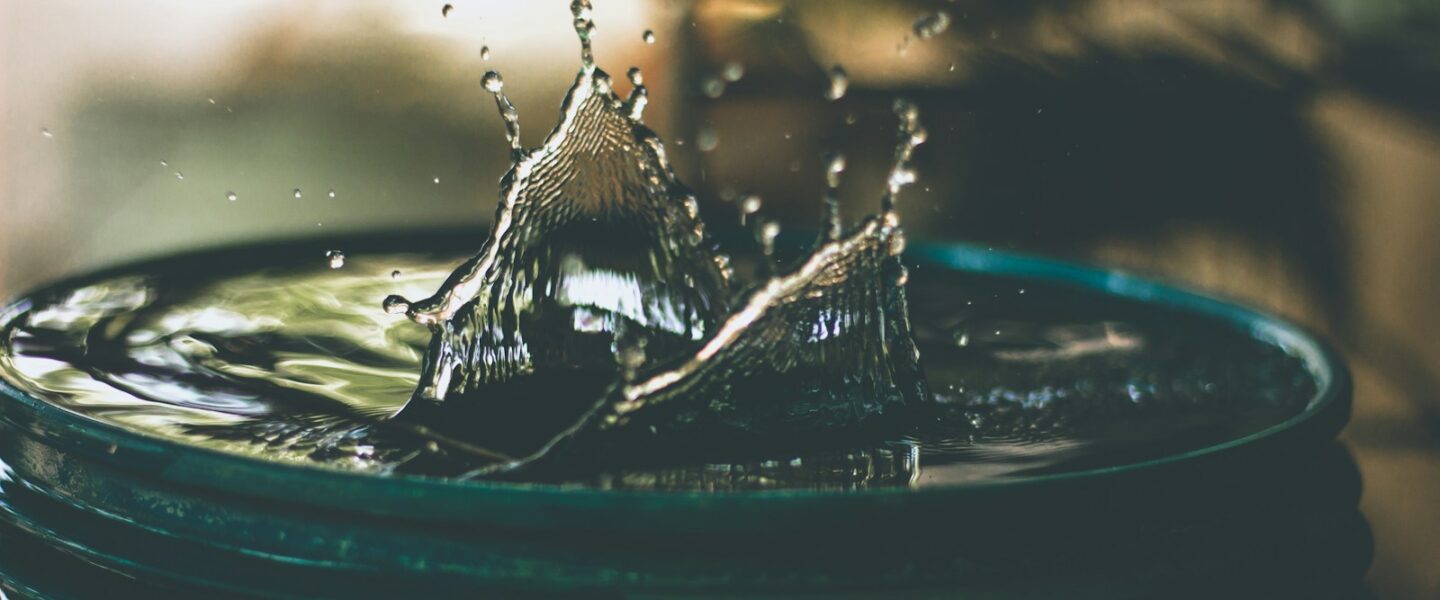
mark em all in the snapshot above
pixel 636 77
pixel 297 193
pixel 769 230
pixel 839 82
pixel 484 53
pixel 331 193
pixel 492 82
pixel 834 166
pixel 164 163
pixel 46 132
pixel 445 10
pixel 749 205
pixel 211 100
pixel 1022 290
pixel 180 176
pixel 713 87
pixel 648 36
pixel 932 25
pixel 733 71
pixel 231 196
pixel 706 140
pixel 337 258
pixel 395 274
pixel 952 67
pixel 395 305
pixel 436 180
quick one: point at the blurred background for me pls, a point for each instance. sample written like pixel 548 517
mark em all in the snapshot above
pixel 1283 152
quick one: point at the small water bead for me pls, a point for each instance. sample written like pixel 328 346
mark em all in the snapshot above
pixel 164 163
pixel 46 132
pixel 484 53
pixel 932 25
pixel 180 176
pixel 395 305
pixel 768 231
pixel 436 180
pixel 839 83
pixel 445 10
pixel 713 87
pixel 231 196
pixel 395 274
pixel 733 71
pixel 331 193
pixel 648 36
pixel 834 166
pixel 297 193
pixel 211 100
pixel 492 82
pixel 707 139
pixel 337 258
pixel 749 205
pixel 635 76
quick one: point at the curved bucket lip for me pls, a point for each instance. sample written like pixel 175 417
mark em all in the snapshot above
pixel 536 505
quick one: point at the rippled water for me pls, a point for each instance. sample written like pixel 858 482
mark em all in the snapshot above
pixel 296 364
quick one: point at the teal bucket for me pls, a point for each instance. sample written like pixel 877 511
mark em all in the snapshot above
pixel 90 509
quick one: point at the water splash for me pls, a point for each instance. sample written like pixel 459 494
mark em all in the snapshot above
pixel 598 266
pixel 823 348
pixel 593 232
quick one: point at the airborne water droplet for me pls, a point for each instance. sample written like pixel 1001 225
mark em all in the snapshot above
pixel 46 133
pixel 445 10
pixel 749 205
pixel 484 53
pixel 839 82
pixel 395 274
pixel 733 71
pixel 436 180
pixel 297 193
pixel 395 304
pixel 713 87
pixel 332 192
pixel 932 25
pixel 648 36
pixel 635 76
pixel 179 175
pixel 492 82
pixel 337 258
pixel 164 163
pixel 707 139
pixel 231 196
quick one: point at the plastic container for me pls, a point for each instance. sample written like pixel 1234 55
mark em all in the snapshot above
pixel 90 509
